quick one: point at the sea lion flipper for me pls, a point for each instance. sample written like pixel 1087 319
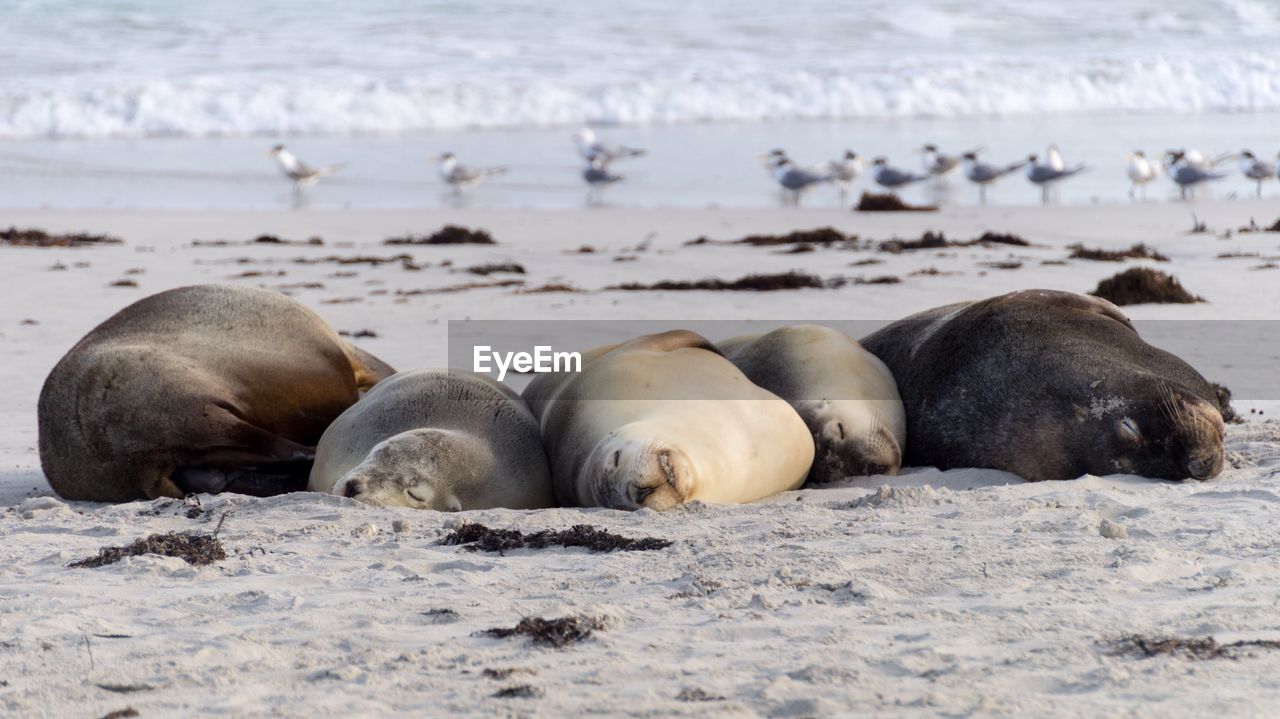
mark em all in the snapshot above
pixel 369 369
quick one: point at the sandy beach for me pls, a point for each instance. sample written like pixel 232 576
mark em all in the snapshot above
pixel 955 593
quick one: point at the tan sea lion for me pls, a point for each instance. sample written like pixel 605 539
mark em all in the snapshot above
pixel 843 393
pixel 447 440
pixel 1048 385
pixel 197 389
pixel 662 420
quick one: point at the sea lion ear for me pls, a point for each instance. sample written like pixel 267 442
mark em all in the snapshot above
pixel 1127 429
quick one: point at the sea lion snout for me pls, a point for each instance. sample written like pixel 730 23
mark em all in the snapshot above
pixel 630 473
pixel 844 451
pixel 1201 432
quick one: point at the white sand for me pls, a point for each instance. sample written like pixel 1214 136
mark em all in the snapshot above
pixel 965 592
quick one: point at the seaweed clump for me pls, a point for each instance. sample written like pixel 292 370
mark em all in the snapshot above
pixel 447 235
pixel 485 539
pixel 1141 285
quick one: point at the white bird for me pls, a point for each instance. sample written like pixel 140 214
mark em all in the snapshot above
pixel 1141 171
pixel 845 171
pixel 939 164
pixel 597 176
pixel 300 172
pixel 891 177
pixel 1188 172
pixel 591 148
pixel 1194 158
pixel 1053 158
pixel 983 173
pixel 1257 170
pixel 459 176
pixel 1046 175
pixel 794 180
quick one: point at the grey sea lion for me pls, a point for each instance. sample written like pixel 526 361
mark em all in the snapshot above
pixel 845 395
pixel 447 440
pixel 662 420
pixel 1048 385
pixel 198 389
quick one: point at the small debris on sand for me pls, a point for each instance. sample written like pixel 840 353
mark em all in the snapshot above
pixel 818 236
pixel 39 238
pixel 459 288
pixel 759 283
pixel 520 691
pixel 125 713
pixel 866 262
pixel 881 280
pixel 195 549
pixel 1137 252
pixel 357 334
pixel 506 672
pixel 493 267
pixel 583 250
pixel 549 288
pixel 447 235
pixel 124 283
pixel 557 633
pixel 479 538
pixel 694 694
pixel 1197 648
pixel 888 202
pixel 937 240
pixel 1003 265
pixel 1112 529
pixel 1140 285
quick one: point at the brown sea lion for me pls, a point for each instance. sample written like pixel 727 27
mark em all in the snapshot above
pixel 198 389
pixel 1048 385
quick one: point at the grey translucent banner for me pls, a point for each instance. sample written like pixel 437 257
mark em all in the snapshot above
pixel 1243 355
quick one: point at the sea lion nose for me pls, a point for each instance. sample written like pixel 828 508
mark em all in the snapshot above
pixel 1201 468
pixel 354 489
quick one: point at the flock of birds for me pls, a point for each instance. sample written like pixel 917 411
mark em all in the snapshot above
pixel 1187 168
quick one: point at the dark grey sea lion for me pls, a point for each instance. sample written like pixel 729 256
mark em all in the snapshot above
pixel 198 389
pixel 1049 385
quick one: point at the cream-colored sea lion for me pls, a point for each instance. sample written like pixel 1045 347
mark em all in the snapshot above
pixel 447 440
pixel 662 420
pixel 198 389
pixel 843 393
pixel 1048 385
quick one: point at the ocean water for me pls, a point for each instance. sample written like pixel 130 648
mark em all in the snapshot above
pixel 187 82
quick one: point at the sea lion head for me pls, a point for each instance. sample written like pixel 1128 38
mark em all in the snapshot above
pixel 632 467
pixel 849 443
pixel 1176 436
pixel 416 469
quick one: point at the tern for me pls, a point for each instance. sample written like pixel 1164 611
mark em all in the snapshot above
pixel 597 176
pixel 591 148
pixel 845 170
pixel 1187 172
pixel 300 172
pixel 1047 174
pixel 1141 171
pixel 939 164
pixel 891 177
pixel 983 173
pixel 794 180
pixel 459 176
pixel 1257 170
